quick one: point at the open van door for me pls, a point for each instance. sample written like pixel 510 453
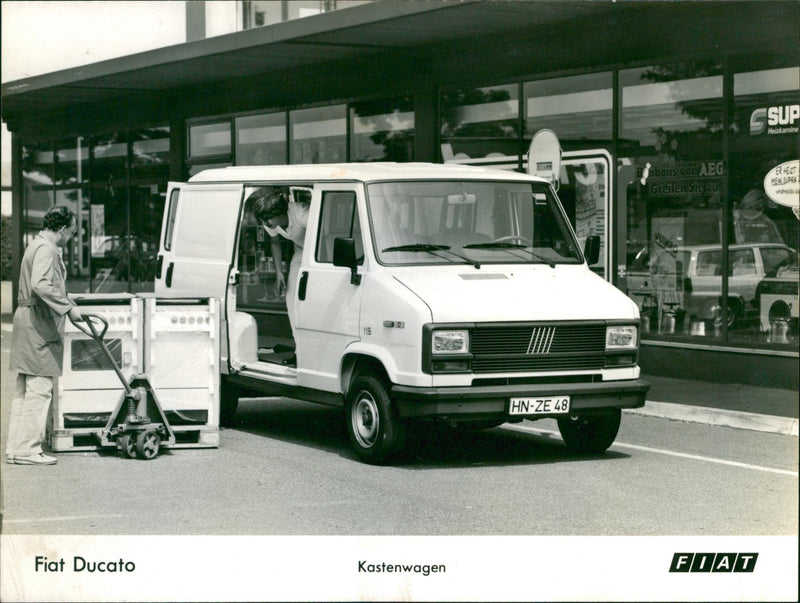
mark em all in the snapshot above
pixel 197 239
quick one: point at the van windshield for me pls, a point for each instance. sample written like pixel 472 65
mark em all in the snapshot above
pixel 442 222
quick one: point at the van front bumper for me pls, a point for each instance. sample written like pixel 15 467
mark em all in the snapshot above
pixel 463 403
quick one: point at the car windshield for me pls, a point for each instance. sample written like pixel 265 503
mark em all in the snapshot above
pixel 442 222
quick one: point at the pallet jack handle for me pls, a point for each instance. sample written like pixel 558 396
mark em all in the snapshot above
pixel 87 327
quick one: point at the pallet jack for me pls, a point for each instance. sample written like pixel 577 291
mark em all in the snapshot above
pixel 137 426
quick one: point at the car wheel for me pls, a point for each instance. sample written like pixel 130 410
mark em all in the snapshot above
pixel 376 431
pixel 592 433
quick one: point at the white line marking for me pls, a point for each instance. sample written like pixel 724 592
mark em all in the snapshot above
pixel 685 455
pixel 65 518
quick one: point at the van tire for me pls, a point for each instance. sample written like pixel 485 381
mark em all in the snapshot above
pixel 591 433
pixel 229 395
pixel 376 431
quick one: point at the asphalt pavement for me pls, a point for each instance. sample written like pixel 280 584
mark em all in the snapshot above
pixel 730 404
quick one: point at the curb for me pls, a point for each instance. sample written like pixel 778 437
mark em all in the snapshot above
pixel 716 416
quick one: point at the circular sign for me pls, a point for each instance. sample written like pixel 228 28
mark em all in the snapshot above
pixel 782 184
pixel 544 155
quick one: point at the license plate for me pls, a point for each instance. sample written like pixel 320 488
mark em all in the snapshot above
pixel 539 406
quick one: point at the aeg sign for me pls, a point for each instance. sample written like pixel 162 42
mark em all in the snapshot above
pixel 779 120
pixel 713 562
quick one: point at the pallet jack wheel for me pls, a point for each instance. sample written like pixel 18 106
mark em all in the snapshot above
pixel 148 444
pixel 127 444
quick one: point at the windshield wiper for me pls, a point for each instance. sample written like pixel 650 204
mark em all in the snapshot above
pixel 496 245
pixel 432 249
pixel 418 247
pixel 506 245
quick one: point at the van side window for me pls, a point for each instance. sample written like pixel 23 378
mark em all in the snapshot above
pixel 338 218
pixel 173 212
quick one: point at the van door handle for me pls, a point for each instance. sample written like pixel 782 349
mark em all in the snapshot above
pixel 302 285
pixel 168 278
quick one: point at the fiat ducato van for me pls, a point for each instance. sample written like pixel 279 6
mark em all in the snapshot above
pixel 425 292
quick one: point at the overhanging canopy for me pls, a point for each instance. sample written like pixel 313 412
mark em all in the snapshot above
pixel 551 35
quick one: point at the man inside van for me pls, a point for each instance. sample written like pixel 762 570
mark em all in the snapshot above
pixel 281 218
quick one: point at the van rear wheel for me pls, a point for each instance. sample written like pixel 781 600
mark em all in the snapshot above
pixel 229 395
pixel 592 433
pixel 376 431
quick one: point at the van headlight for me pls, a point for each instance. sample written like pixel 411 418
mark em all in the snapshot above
pixel 621 338
pixel 450 342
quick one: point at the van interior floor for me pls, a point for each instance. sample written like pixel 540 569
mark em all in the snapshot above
pixel 275 349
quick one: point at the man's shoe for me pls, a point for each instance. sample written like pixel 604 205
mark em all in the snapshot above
pixel 10 459
pixel 35 459
pixel 291 361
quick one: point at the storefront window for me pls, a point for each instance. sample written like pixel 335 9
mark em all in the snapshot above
pixel 115 184
pixel 319 135
pixel 297 9
pixel 38 168
pixel 261 139
pixel 480 123
pixel 382 130
pixel 148 190
pixel 670 146
pixel 257 13
pixel 109 213
pixel 765 196
pixel 210 139
pixel 72 177
pixel 577 108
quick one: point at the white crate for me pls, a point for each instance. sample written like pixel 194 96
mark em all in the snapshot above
pixel 89 388
pixel 175 343
pixel 181 355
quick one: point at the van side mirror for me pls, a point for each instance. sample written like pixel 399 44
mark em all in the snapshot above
pixel 344 254
pixel 591 249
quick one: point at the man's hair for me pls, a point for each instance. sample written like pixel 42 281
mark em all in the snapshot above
pixel 58 217
pixel 269 203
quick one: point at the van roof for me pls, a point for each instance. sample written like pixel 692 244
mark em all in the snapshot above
pixel 363 172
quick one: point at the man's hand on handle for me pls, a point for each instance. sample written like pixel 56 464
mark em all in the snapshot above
pixel 75 315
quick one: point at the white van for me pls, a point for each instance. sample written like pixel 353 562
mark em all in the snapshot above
pixel 426 292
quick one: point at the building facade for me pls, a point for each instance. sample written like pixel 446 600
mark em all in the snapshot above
pixel 678 121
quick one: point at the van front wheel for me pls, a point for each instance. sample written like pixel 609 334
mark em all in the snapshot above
pixel 592 433
pixel 375 430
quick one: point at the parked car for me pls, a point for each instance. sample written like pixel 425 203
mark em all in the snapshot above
pixel 777 294
pixel 688 279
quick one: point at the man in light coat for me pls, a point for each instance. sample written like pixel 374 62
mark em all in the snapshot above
pixel 37 341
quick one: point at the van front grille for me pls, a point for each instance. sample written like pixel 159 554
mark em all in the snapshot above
pixel 538 347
